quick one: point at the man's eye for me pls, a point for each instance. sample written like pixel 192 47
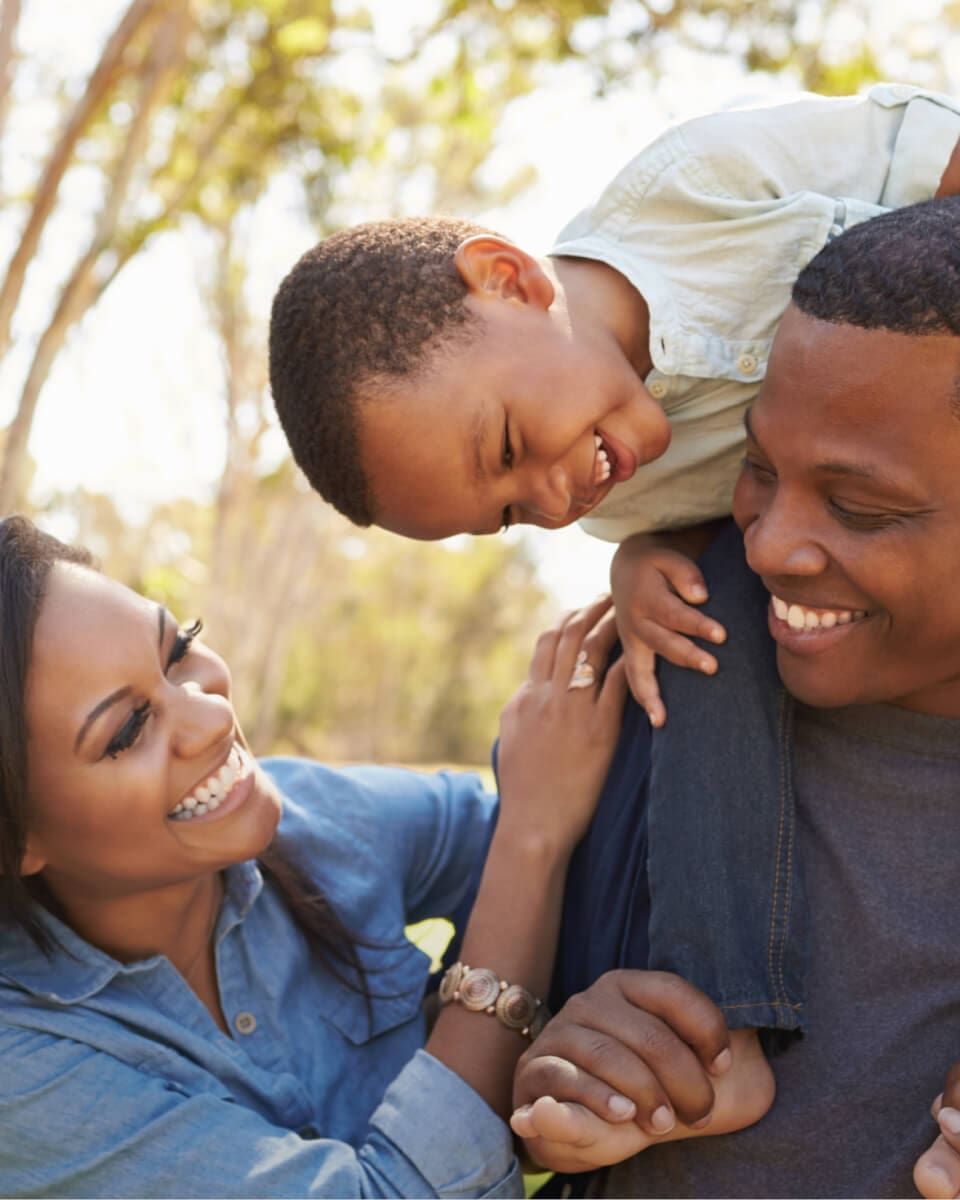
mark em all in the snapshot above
pixel 864 521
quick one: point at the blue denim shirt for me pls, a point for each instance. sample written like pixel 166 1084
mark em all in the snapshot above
pixel 117 1082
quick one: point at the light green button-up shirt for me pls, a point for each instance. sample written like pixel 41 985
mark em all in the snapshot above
pixel 712 223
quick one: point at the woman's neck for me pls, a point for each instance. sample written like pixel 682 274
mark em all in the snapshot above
pixel 177 921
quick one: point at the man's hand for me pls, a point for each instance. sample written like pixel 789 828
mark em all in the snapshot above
pixel 653 588
pixel 937 1171
pixel 617 1067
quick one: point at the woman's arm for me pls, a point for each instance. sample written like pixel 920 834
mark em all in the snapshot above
pixel 555 747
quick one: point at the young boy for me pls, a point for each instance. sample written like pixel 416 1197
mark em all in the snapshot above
pixel 433 378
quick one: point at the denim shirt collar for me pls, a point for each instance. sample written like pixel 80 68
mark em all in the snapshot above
pixel 77 970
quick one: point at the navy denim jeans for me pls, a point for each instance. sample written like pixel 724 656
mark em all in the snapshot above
pixel 690 865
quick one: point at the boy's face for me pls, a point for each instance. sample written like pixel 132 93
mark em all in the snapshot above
pixel 850 505
pixel 510 426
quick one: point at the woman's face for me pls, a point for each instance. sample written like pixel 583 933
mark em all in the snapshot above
pixel 130 729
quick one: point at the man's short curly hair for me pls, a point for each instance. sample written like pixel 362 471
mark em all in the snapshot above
pixel 364 305
pixel 899 271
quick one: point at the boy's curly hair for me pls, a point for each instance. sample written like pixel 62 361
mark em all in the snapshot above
pixel 363 305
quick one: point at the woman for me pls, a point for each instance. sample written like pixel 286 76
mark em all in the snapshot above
pixel 204 984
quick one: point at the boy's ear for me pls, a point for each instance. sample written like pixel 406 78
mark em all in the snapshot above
pixel 492 266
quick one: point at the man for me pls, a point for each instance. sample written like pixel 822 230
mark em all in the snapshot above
pixel 847 808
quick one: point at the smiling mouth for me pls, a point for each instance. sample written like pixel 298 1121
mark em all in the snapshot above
pixel 213 791
pixel 604 462
pixel 801 619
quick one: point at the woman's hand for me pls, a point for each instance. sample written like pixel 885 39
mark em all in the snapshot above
pixel 556 742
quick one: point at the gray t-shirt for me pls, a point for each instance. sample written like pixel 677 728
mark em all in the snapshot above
pixel 878 799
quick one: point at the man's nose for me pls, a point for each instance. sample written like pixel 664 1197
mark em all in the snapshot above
pixel 783 540
pixel 203 719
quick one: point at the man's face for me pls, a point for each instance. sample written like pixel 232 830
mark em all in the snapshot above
pixel 849 501
pixel 513 425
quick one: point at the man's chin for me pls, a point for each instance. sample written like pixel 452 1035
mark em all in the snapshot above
pixel 817 688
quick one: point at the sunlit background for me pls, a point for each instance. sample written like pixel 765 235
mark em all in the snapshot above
pixel 154 199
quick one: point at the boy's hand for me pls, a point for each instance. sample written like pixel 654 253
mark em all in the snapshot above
pixel 635 1052
pixel 653 587
pixel 937 1171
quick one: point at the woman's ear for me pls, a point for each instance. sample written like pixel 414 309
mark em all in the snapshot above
pixel 491 266
pixel 33 860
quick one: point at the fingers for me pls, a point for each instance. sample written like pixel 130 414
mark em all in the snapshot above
pixel 568 1137
pixel 670 642
pixel 592 629
pixel 647 1035
pixel 936 1173
pixel 642 678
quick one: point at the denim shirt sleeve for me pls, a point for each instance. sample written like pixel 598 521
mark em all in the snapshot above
pixel 131 1134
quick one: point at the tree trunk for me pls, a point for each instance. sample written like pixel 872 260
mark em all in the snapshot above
pixel 82 289
pixel 108 70
pixel 9 20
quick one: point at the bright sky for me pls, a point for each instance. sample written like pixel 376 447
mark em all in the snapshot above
pixel 140 380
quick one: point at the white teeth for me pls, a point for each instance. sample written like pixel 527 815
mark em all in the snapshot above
pixel 202 793
pixel 226 778
pixel 201 810
pixel 191 802
pixel 798 617
pixel 598 440
pixel 209 795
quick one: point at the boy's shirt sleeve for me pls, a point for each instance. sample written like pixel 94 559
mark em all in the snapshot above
pixel 712 223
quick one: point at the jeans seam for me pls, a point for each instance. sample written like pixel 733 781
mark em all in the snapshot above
pixel 786 769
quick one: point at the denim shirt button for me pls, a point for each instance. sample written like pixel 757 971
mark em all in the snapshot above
pixel 245 1022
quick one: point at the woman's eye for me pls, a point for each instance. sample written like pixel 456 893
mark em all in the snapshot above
pixel 128 733
pixel 185 639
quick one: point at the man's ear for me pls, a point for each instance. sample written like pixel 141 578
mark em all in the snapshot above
pixel 492 266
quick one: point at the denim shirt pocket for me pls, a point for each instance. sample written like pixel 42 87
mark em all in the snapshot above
pixel 396 982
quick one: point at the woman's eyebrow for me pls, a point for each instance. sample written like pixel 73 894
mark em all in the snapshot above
pixel 97 711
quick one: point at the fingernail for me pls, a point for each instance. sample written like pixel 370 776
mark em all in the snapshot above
pixel 662 1119
pixel 702 1122
pixel 717 635
pixel 621 1107
pixel 523 1111
pixel 721 1063
pixel 949 1120
pixel 698 592
pixel 707 666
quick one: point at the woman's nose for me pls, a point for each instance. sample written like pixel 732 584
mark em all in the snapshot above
pixel 204 719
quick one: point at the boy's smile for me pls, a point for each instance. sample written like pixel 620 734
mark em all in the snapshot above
pixel 850 505
pixel 520 423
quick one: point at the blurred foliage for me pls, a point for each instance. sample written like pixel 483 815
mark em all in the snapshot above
pixel 343 643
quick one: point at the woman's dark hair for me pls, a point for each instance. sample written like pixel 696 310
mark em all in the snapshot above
pixel 27 556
